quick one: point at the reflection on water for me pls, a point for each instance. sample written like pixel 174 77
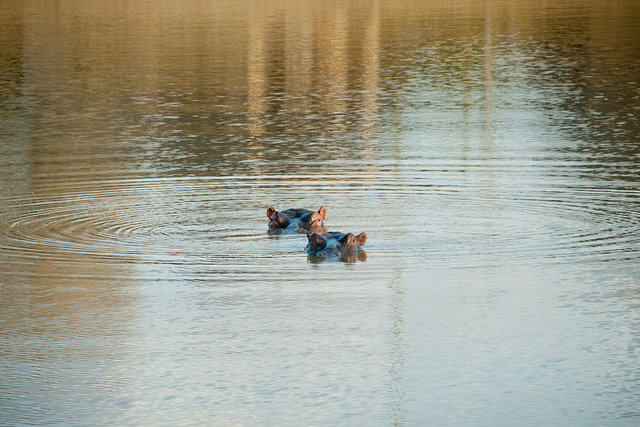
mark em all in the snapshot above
pixel 488 150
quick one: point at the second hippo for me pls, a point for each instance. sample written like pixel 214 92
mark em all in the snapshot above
pixel 344 245
pixel 297 220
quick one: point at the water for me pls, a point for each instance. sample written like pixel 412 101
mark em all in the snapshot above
pixel 490 152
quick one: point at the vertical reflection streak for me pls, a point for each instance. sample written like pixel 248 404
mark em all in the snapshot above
pixel 298 61
pixel 256 73
pixel 331 59
pixel 487 81
pixel 371 69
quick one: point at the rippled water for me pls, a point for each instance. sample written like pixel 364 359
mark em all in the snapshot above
pixel 490 152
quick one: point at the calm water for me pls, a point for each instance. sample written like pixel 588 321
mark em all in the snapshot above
pixel 491 152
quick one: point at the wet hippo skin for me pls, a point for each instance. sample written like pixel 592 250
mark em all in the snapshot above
pixel 297 220
pixel 342 245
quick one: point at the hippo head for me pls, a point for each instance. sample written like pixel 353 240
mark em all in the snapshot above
pixel 343 244
pixel 313 221
pixel 349 243
pixel 277 219
pixel 300 220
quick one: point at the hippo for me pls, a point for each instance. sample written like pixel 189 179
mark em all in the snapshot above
pixel 347 246
pixel 297 220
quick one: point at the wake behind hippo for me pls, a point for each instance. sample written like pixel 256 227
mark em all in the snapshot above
pixel 296 220
pixel 345 246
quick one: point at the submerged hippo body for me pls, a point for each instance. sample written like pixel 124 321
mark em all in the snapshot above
pixel 347 246
pixel 297 220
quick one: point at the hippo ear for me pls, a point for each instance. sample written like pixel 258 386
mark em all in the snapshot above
pixel 270 212
pixel 316 240
pixel 362 237
pixel 323 212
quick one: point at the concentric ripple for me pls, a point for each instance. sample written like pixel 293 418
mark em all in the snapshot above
pixel 422 213
pixel 126 220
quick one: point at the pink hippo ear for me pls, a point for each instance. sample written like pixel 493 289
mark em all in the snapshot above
pixel 323 212
pixel 270 211
pixel 362 237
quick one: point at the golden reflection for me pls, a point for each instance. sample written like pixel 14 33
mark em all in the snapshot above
pixel 330 48
pixel 298 61
pixel 256 71
pixel 487 81
pixel 309 56
pixel 371 68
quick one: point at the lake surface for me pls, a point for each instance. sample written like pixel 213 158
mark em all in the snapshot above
pixel 490 151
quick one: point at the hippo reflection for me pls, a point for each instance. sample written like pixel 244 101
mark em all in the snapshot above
pixel 347 247
pixel 297 220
